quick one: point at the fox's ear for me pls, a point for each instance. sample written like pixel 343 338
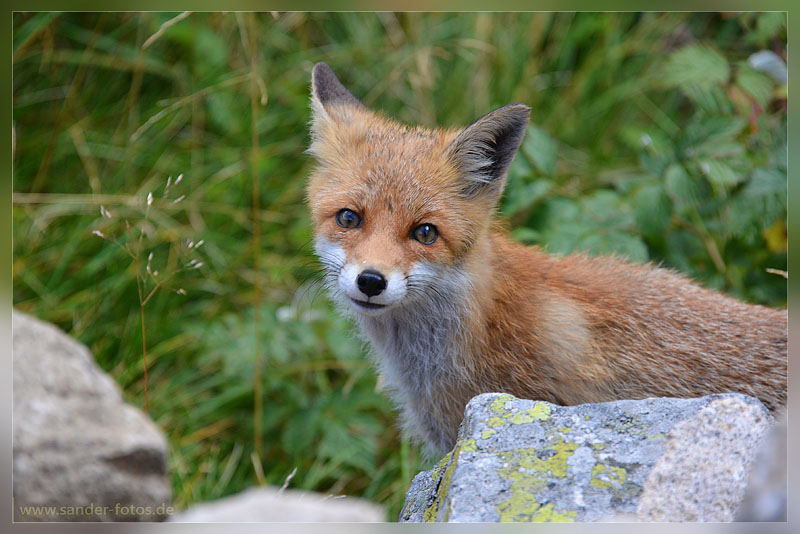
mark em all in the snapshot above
pixel 326 89
pixel 484 149
pixel 327 96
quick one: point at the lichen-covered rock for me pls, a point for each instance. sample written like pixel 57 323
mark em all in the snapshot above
pixel 80 453
pixel 520 460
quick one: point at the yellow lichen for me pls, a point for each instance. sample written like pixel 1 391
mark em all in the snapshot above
pixel 496 421
pixel 539 412
pixel 528 475
pixel 469 445
pixel 441 464
pixel 432 511
pixel 547 513
pixel 448 463
pixel 608 477
pixel 499 404
pixel 488 433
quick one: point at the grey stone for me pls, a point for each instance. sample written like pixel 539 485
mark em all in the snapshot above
pixel 766 496
pixel 80 453
pixel 703 472
pixel 270 504
pixel 521 460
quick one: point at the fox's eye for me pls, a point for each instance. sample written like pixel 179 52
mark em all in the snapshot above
pixel 425 233
pixel 348 219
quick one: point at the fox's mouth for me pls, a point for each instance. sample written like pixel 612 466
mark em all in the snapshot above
pixel 367 305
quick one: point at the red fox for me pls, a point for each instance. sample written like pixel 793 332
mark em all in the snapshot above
pixel 404 226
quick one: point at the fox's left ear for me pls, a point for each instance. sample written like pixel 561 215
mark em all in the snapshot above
pixel 484 150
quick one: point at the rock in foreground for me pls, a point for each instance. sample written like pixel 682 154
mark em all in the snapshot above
pixel 270 504
pixel 649 460
pixel 80 452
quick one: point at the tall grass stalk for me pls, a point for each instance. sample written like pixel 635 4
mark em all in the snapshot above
pixel 258 409
pixel 144 329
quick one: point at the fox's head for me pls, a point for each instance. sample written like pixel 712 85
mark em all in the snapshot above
pixel 398 209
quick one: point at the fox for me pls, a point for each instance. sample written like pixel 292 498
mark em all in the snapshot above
pixel 405 226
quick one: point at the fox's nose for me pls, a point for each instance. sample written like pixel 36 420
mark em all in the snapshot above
pixel 371 283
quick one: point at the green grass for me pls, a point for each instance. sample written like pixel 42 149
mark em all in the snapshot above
pixel 651 137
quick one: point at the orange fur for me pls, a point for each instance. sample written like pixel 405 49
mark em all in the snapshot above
pixel 479 313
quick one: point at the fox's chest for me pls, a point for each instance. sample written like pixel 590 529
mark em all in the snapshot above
pixel 421 362
pixel 415 355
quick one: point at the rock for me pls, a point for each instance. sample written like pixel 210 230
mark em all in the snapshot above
pixel 269 504
pixel 80 453
pixel 702 474
pixel 520 460
pixel 765 498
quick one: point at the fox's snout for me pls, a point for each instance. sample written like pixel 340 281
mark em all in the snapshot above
pixel 371 283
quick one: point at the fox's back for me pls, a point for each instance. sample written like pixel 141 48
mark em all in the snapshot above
pixel 614 330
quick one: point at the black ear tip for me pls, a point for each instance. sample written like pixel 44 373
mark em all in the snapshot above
pixel 321 69
pixel 514 116
pixel 327 87
pixel 521 111
pixel 321 73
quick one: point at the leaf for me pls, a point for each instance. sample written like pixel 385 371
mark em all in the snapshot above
pixel 652 209
pixel 566 238
pixel 713 129
pixel 604 207
pixel 519 168
pixel 557 211
pixel 542 149
pixel 339 444
pixel 721 175
pixel 768 25
pixel 301 429
pixel 722 150
pixel 647 137
pixel 526 196
pixel 684 250
pixel 655 164
pixel 757 84
pixel 760 203
pixel 765 182
pixel 697 65
pixel 710 99
pixel 599 224
pixel 681 188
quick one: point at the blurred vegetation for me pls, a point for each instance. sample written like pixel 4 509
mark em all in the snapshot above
pixel 653 137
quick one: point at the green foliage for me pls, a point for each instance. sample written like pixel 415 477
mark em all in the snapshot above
pixel 652 137
pixel 695 66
